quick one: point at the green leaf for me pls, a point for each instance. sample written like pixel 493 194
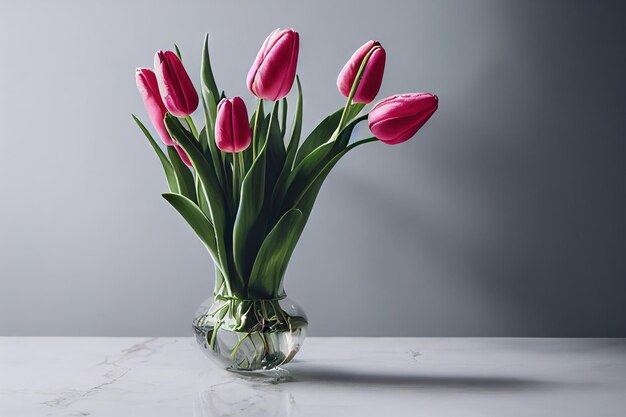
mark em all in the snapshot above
pixel 203 138
pixel 180 56
pixel 354 110
pixel 209 106
pixel 346 133
pixel 309 193
pixel 196 219
pixel 184 177
pixel 271 262
pixel 319 135
pixel 208 80
pixel 279 188
pixel 257 136
pixel 295 131
pixel 276 153
pixel 249 229
pixel 274 255
pixel 210 98
pixel 275 139
pixel 202 201
pixel 167 166
pixel 305 172
pixel 212 191
pixel 322 133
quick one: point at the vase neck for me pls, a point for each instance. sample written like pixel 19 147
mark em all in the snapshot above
pixel 222 293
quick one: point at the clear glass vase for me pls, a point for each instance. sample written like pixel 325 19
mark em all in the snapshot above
pixel 250 335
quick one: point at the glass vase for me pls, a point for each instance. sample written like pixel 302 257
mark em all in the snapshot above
pixel 250 335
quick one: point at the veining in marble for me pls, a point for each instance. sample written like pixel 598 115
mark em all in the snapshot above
pixel 156 377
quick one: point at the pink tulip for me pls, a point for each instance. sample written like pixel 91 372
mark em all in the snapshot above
pixel 179 95
pixel 372 76
pixel 274 69
pixel 149 90
pixel 396 119
pixel 232 128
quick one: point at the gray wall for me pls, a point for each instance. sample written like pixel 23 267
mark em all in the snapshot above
pixel 504 216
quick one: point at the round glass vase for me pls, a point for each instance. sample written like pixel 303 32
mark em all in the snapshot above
pixel 250 335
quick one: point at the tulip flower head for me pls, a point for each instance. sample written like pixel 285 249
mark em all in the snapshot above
pixel 274 69
pixel 372 76
pixel 396 119
pixel 149 91
pixel 177 90
pixel 232 128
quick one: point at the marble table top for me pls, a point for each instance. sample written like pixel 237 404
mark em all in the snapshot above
pixel 154 377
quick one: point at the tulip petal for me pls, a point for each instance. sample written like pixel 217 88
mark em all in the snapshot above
pixel 223 126
pixel 351 68
pixel 273 71
pixel 149 90
pixel 269 80
pixel 242 134
pixel 290 73
pixel 177 90
pixel 232 128
pixel 372 77
pixel 396 119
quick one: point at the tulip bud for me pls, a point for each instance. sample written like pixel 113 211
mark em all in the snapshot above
pixel 372 76
pixel 232 128
pixel 396 119
pixel 149 90
pixel 274 68
pixel 179 95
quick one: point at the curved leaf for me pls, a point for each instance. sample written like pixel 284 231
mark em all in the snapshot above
pixel 248 231
pixel 308 195
pixel 167 166
pixel 208 80
pixel 196 219
pixel 296 131
pixel 210 98
pixel 207 138
pixel 276 154
pixel 211 189
pixel 184 177
pixel 322 133
pixel 202 201
pixel 318 136
pixel 279 188
pixel 306 171
pixel 273 257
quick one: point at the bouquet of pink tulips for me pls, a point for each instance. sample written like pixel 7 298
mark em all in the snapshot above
pixel 245 183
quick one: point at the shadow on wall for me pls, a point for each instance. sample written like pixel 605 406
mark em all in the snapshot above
pixel 532 179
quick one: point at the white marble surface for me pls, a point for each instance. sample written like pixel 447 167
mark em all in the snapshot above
pixel 119 377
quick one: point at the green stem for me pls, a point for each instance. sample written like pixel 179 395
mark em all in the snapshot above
pixel 192 126
pixel 361 142
pixel 236 348
pixel 256 127
pixel 242 168
pixel 235 180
